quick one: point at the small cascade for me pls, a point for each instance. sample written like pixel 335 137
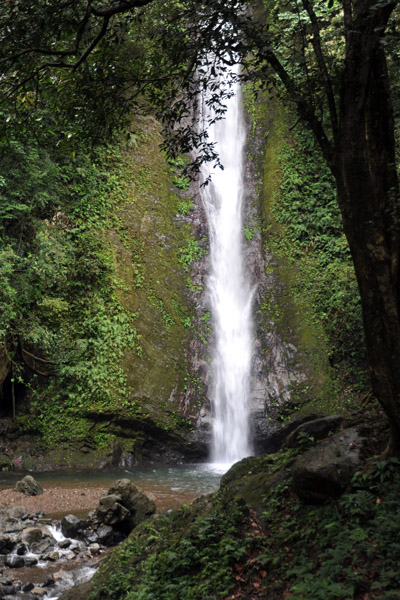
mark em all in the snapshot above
pixel 229 290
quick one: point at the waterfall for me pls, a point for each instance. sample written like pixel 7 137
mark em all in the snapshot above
pixel 228 288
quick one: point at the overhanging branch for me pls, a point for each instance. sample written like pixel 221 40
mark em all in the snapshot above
pixel 103 14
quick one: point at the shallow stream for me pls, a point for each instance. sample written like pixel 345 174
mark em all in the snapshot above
pixel 169 487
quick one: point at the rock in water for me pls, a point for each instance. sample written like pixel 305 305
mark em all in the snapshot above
pixel 125 506
pixel 111 511
pixel 71 526
pixel 29 486
pixel 14 561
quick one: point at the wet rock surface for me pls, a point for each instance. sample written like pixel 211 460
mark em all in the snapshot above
pixel 66 551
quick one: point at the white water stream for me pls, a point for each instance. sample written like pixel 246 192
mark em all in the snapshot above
pixel 229 289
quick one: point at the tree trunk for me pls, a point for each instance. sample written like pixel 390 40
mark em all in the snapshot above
pixel 368 196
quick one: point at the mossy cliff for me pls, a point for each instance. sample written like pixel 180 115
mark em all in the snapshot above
pixel 106 347
pixel 310 352
pixel 102 373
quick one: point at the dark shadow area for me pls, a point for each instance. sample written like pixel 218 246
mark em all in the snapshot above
pixel 6 397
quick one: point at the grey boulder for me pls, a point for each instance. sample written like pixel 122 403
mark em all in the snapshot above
pixel 324 471
pixel 125 506
pixel 29 486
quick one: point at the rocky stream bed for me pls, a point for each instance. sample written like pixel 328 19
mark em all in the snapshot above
pixel 42 557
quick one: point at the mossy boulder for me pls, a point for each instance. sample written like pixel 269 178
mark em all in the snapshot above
pixel 29 486
pixel 316 429
pixel 324 472
pixel 252 479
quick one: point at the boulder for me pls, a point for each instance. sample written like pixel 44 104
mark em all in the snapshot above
pixel 31 535
pixel 18 512
pixel 140 507
pixel 270 442
pixel 38 539
pixel 110 510
pixel 324 471
pixel 14 561
pixel 6 590
pixel 22 549
pixel 71 526
pixel 52 556
pixel 7 544
pixel 105 535
pixel 9 523
pixel 44 545
pixel 28 486
pixel 317 428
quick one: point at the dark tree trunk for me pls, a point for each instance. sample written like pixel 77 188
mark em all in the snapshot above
pixel 368 196
pixel 360 151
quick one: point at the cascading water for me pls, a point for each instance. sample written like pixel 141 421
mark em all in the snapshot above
pixel 228 288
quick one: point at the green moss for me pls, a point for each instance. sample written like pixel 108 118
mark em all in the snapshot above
pixel 6 464
pixel 187 555
pixel 147 255
pixel 290 304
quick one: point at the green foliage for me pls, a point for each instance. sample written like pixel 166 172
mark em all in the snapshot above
pixel 337 550
pixel 191 253
pixel 180 557
pixel 57 295
pixel 313 239
pixel 218 547
pixel 185 206
pixel 249 232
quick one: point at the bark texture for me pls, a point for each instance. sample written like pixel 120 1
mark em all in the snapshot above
pixel 368 195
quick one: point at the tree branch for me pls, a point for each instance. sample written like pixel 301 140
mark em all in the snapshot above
pixel 304 108
pixel 119 7
pixel 104 13
pixel 316 42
